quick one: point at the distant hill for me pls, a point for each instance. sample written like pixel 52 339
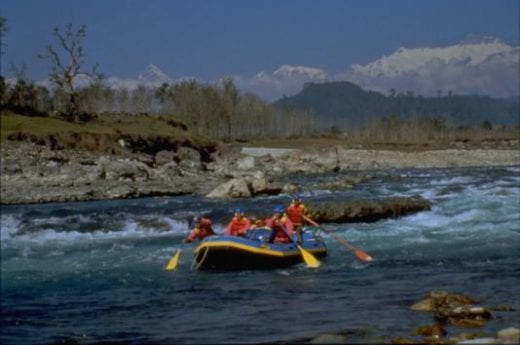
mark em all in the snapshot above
pixel 345 103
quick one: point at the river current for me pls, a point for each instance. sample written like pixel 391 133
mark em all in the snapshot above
pixel 89 272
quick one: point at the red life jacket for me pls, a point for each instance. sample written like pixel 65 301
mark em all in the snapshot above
pixel 238 226
pixel 201 230
pixel 295 213
pixel 278 225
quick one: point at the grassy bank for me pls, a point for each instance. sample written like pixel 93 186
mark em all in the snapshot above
pixel 503 138
pixel 160 132
pixel 100 132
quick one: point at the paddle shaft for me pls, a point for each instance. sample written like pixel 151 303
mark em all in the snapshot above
pixel 358 252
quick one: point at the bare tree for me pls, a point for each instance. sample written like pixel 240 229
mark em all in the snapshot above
pixel 3 30
pixel 230 99
pixel 67 62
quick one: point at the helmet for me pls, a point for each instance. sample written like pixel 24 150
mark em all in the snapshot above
pixel 239 210
pixel 279 209
pixel 297 197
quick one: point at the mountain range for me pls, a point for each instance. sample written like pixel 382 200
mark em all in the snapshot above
pixel 347 104
pixel 475 66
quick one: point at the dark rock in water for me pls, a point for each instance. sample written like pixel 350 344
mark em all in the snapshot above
pixel 468 323
pixel 333 337
pixel 503 307
pixel 455 309
pixel 436 331
pixel 366 210
pixel 404 341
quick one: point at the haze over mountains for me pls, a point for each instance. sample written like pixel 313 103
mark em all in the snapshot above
pixel 476 66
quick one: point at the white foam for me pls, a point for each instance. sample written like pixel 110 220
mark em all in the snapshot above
pixel 11 236
pixel 9 226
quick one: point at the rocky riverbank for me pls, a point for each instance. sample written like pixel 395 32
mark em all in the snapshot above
pixel 33 173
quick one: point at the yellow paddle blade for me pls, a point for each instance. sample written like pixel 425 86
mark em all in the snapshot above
pixel 172 264
pixel 309 259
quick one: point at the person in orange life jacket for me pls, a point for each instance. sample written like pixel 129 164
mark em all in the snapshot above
pixel 201 229
pixel 239 225
pixel 281 226
pixel 296 211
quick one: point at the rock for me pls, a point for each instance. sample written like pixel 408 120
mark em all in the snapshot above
pixel 454 309
pixel 246 163
pixel 435 331
pixel 167 171
pixel 509 335
pixel 366 210
pixel 188 158
pixel 116 169
pixel 477 341
pixel 163 157
pixel 259 185
pixel 503 307
pixel 329 339
pixel 467 323
pixel 443 297
pixel 235 188
pixel 424 305
pixel 404 341
pixel 291 188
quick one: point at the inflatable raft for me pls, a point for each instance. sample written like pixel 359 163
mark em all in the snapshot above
pixel 253 252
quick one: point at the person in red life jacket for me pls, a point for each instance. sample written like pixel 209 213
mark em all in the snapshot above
pixel 281 226
pixel 239 225
pixel 296 211
pixel 258 223
pixel 201 229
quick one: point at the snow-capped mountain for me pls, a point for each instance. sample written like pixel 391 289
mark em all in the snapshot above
pixel 286 79
pixel 299 72
pixel 477 65
pixel 403 60
pixel 153 74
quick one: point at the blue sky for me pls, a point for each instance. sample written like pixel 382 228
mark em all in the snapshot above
pixel 211 39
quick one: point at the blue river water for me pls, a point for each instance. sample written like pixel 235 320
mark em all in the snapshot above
pixel 91 272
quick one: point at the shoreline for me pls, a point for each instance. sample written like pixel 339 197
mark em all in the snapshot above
pixel 35 174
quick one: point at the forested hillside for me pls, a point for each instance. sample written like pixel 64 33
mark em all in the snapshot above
pixel 347 104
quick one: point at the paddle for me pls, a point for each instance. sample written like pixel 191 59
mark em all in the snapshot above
pixel 310 260
pixel 172 264
pixel 361 255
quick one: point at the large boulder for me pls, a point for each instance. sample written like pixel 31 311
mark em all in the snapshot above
pixel 366 210
pixel 121 169
pixel 246 163
pixel 188 158
pixel 234 188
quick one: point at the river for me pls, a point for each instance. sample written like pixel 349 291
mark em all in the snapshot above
pixel 89 272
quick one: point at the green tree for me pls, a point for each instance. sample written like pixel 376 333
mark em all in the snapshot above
pixel 486 125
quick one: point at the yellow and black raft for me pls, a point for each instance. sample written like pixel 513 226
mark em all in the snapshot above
pixel 254 252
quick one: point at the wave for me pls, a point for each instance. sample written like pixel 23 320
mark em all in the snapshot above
pixel 16 231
